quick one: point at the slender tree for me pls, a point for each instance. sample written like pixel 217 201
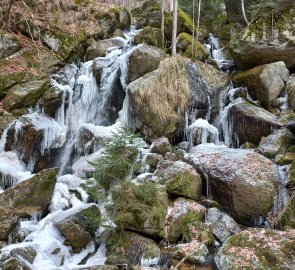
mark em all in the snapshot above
pixel 244 13
pixel 198 22
pixel 193 39
pixel 162 25
pixel 174 29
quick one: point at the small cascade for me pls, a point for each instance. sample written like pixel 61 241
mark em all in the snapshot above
pixel 283 195
pixel 201 132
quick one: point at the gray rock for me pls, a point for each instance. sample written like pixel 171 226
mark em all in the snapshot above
pixel 265 82
pixel 198 253
pixel 8 45
pixel 221 224
pixel 276 143
pixel 246 122
pixel 143 60
pixel 101 47
pixel 290 90
pixel 242 181
pixel 258 249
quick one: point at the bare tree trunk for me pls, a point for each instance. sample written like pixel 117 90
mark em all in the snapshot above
pixel 162 25
pixel 193 38
pixel 174 30
pixel 198 22
pixel 244 13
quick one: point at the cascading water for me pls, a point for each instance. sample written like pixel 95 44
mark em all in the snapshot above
pixel 86 104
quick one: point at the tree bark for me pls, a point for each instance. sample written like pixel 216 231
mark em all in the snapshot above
pixel 198 22
pixel 174 30
pixel 244 13
pixel 162 25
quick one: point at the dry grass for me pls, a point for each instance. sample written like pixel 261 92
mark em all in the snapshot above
pixel 169 91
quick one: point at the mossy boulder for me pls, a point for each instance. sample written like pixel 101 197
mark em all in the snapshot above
pixel 8 45
pixel 245 183
pixel 179 178
pixel 187 47
pixel 260 43
pixel 143 60
pixel 286 218
pixel 183 213
pixel 140 207
pixel 129 248
pixel 9 80
pixel 15 263
pixel 265 82
pixel 258 249
pixel 285 159
pixel 80 228
pixel 169 91
pixel 150 36
pixel 161 146
pixel 276 143
pixel 148 14
pixel 25 95
pixel 30 196
pixel 25 252
pixel 290 90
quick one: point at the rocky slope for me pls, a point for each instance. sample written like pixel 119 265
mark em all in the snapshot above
pixel 208 182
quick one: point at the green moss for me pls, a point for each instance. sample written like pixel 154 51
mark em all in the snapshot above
pixel 134 204
pixel 286 217
pixel 9 80
pixel 93 218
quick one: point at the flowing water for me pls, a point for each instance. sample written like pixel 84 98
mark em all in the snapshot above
pixel 87 108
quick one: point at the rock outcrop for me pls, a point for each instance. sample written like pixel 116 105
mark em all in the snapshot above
pixel 260 44
pixel 30 196
pixel 242 181
pixel 265 82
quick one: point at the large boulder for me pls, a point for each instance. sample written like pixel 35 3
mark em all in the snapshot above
pixel 242 181
pixel 160 99
pixel 149 14
pixel 129 248
pixel 277 143
pixel 8 45
pixel 245 122
pixel 183 213
pixel 25 95
pixel 101 47
pixel 265 82
pixel 258 249
pixel 221 224
pixel 150 36
pixel 179 178
pixel 80 228
pixel 26 198
pixel 143 60
pixel 140 207
pixel 261 43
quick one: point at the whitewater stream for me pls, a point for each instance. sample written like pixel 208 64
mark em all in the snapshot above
pixel 86 106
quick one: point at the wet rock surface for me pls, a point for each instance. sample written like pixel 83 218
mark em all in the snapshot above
pixel 233 181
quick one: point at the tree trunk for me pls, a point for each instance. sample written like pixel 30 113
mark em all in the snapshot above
pixel 198 22
pixel 162 25
pixel 174 30
pixel 194 30
pixel 6 15
pixel 244 13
